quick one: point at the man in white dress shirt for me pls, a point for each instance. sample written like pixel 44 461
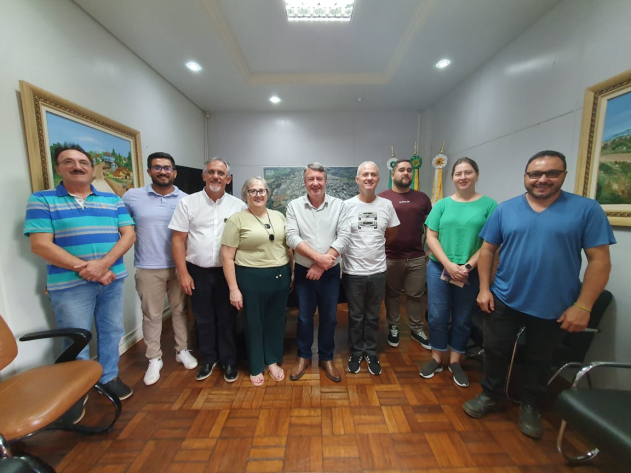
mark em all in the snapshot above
pixel 197 225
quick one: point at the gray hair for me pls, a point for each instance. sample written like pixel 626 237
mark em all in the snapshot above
pixel 246 186
pixel 314 167
pixel 364 164
pixel 221 160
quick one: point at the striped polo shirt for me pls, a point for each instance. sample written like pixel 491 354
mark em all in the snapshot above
pixel 87 233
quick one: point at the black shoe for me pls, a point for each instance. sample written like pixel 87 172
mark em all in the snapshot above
pixel 119 388
pixel 354 363
pixel 205 370
pixel 373 364
pixel 460 377
pixel 481 405
pixel 230 373
pixel 421 337
pixel 530 422
pixel 393 335
pixel 75 413
pixel 429 368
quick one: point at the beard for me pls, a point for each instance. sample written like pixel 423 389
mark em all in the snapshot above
pixel 402 184
pixel 158 183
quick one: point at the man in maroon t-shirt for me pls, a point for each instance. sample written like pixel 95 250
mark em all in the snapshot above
pixel 405 256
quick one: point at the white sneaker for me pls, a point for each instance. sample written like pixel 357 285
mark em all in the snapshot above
pixel 153 372
pixel 186 359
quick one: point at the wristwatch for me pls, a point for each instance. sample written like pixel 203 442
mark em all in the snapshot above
pixel 468 267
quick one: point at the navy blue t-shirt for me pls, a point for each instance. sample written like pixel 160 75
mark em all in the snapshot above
pixel 540 256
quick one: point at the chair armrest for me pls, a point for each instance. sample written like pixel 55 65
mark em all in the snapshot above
pixel 597 364
pixel 80 338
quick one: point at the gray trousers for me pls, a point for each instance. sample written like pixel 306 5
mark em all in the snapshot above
pixel 407 275
pixel 364 295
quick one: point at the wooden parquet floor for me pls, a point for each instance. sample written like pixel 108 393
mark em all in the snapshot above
pixel 396 422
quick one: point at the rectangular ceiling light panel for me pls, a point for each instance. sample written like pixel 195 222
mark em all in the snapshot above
pixel 319 10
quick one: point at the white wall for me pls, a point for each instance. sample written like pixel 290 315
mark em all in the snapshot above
pixel 54 45
pixel 529 98
pixel 250 141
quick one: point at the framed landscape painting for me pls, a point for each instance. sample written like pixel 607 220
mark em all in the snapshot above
pixel 286 184
pixel 51 121
pixel 604 161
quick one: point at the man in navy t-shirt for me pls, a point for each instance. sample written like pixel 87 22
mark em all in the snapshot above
pixel 537 285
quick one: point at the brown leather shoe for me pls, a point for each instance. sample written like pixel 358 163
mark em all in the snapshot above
pixel 299 368
pixel 330 370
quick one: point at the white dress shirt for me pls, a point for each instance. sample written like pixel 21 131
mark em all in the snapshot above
pixel 204 220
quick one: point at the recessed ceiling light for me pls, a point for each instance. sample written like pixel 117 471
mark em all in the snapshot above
pixel 443 63
pixel 319 10
pixel 274 99
pixel 193 66
pixel 359 99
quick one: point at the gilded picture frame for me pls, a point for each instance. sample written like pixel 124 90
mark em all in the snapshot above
pixel 50 121
pixel 604 159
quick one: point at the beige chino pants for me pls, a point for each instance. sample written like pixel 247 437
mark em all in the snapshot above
pixel 152 286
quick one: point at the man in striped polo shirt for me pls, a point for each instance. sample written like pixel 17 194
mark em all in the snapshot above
pixel 83 234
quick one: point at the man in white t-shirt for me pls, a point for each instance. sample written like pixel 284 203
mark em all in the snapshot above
pixel 373 222
pixel 197 224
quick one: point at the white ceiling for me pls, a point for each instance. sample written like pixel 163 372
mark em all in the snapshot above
pixel 249 51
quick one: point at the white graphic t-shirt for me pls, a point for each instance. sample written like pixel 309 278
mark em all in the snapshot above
pixel 366 253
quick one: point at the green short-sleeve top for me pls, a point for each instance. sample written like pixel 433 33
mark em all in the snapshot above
pixel 458 225
pixel 251 238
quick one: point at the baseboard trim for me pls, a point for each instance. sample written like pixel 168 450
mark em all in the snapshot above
pixel 133 337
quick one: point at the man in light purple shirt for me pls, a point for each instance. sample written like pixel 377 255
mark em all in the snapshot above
pixel 152 207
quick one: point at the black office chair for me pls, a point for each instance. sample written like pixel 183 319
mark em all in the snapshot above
pixel 602 416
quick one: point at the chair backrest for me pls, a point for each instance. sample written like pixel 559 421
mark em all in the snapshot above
pixel 8 345
pixel 579 342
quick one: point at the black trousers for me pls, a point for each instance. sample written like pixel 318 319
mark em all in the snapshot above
pixel 215 317
pixel 364 295
pixel 500 331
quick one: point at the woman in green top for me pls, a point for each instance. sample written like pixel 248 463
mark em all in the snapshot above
pixel 256 263
pixel 453 227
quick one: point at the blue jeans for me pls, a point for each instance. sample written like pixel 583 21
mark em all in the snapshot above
pixel 447 302
pixel 75 308
pixel 324 294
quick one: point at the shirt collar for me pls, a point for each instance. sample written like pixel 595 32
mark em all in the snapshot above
pixel 62 191
pixel 308 203
pixel 149 188
pixel 210 201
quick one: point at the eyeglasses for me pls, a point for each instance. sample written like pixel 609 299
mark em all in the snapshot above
pixel 254 192
pixel 157 168
pixel 554 173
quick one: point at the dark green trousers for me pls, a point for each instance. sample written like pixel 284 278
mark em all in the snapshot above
pixel 265 292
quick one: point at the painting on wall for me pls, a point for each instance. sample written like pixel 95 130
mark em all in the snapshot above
pixel 51 121
pixel 604 162
pixel 286 184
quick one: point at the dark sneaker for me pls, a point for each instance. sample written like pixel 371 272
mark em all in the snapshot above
pixel 75 413
pixel 431 367
pixel 422 338
pixel 205 370
pixel 530 422
pixel 119 388
pixel 373 364
pixel 460 377
pixel 393 335
pixel 230 373
pixel 481 405
pixel 354 363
